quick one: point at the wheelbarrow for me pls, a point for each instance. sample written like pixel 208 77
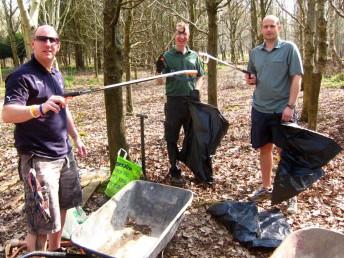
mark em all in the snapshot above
pixel 137 222
pixel 311 243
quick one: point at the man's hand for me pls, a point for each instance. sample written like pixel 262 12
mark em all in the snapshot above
pixel 287 115
pixel 160 64
pixel 79 144
pixel 195 96
pixel 54 103
pixel 250 79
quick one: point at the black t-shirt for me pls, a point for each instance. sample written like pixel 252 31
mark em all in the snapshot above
pixel 32 84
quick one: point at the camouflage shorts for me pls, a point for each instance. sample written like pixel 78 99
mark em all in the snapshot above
pixel 61 179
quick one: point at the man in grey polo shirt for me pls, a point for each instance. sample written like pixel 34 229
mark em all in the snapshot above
pixel 276 70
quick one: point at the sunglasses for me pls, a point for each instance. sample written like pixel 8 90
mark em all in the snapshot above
pixel 45 39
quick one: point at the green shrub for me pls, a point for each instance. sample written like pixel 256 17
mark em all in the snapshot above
pixel 69 81
pixel 335 81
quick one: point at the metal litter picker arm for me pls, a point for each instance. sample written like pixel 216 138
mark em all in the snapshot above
pixel 190 73
pixel 207 56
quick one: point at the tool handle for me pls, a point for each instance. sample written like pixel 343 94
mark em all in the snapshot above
pixel 247 72
pixel 70 94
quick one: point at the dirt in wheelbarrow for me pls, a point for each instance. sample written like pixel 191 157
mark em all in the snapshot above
pixel 131 241
pixel 138 228
pixel 235 167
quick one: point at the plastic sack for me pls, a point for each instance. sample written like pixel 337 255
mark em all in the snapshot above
pixel 304 152
pixel 266 229
pixel 206 130
pixel 124 172
pixel 306 148
pixel 292 179
pixel 75 217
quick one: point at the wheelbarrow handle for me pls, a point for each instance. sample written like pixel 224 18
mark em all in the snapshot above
pixel 52 254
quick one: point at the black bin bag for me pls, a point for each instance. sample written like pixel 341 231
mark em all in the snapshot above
pixel 266 229
pixel 205 132
pixel 303 154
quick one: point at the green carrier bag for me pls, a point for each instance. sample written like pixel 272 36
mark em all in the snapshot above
pixel 124 172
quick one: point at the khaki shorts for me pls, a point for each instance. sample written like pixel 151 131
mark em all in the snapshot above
pixel 61 178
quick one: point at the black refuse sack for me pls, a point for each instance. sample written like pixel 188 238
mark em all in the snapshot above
pixel 205 132
pixel 304 152
pixel 306 148
pixel 266 229
pixel 292 179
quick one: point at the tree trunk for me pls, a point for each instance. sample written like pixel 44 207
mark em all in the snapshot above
pixel 212 50
pixel 314 100
pixel 309 59
pixel 321 25
pixel 300 30
pixel 336 60
pixel 11 33
pixel 254 23
pixel 112 74
pixel 232 42
pixel 96 70
pixel 29 22
pixel 192 15
pixel 79 58
pixel 127 29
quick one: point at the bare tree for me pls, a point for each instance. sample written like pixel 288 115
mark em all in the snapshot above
pixel 257 15
pixel 333 33
pixel 338 6
pixel 212 47
pixel 235 10
pixel 56 13
pixel 10 11
pixel 314 63
pixel 127 65
pixel 29 21
pixel 113 60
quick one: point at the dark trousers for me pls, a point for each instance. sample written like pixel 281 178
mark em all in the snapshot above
pixel 177 114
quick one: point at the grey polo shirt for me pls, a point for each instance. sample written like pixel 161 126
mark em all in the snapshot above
pixel 274 71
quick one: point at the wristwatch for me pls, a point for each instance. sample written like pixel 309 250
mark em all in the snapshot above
pixel 291 106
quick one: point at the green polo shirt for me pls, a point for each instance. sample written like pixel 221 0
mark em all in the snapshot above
pixel 274 71
pixel 181 85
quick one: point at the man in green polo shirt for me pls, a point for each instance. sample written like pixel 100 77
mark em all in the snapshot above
pixel 179 90
pixel 276 70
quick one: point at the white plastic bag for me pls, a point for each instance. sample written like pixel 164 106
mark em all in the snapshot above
pixel 74 217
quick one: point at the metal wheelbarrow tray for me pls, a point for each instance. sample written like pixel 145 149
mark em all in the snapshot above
pixel 311 243
pixel 136 222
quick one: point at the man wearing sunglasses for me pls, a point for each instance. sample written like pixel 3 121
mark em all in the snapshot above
pixel 34 103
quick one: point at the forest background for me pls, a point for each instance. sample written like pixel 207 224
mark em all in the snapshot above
pixel 105 42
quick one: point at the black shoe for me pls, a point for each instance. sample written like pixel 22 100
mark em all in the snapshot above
pixel 177 181
pixel 176 176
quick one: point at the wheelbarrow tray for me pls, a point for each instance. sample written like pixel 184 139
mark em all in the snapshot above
pixel 116 229
pixel 311 243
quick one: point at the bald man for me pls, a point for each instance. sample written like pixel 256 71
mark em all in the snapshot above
pixel 276 70
pixel 34 103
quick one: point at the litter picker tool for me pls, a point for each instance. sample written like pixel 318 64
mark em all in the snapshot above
pixel 190 73
pixel 207 57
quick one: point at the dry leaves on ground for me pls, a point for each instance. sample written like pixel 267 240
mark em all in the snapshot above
pixel 235 165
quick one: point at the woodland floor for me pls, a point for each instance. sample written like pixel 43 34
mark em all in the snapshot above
pixel 235 166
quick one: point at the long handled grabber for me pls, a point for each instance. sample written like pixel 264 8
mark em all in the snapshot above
pixel 190 73
pixel 207 57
